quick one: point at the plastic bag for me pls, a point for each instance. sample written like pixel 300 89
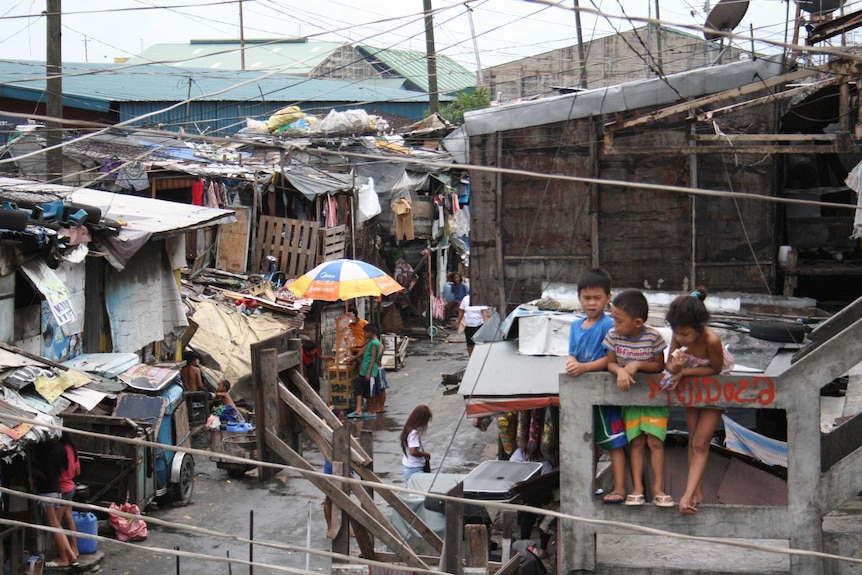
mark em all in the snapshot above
pixel 284 117
pixel 128 529
pixel 369 204
pixel 354 121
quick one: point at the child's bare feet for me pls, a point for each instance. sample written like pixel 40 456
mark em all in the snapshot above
pixel 687 506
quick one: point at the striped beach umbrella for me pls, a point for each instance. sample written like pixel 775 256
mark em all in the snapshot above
pixel 343 280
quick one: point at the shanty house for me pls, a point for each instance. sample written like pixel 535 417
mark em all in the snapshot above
pixel 601 178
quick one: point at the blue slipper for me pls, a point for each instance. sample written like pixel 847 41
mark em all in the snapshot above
pixel 352 415
pixel 367 415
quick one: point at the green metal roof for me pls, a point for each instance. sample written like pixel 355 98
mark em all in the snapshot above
pixel 411 64
pixel 298 57
pixel 301 57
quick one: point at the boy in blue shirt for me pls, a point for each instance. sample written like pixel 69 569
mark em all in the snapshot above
pixel 587 353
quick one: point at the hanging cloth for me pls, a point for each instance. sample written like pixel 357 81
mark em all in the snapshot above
pixel 403 210
pixel 198 193
pixel 212 196
pixel 331 208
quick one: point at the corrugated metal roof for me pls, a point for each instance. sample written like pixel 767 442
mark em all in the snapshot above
pixel 144 214
pixel 95 85
pixel 300 57
pixel 645 93
pixel 451 76
pixel 297 57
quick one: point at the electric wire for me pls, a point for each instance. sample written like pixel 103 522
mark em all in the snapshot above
pixel 376 485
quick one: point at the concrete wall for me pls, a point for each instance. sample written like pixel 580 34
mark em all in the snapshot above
pixel 615 59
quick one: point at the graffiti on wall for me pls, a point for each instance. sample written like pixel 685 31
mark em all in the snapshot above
pixel 703 391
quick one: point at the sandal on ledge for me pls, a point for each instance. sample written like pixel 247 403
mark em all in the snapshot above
pixel 635 499
pixel 613 498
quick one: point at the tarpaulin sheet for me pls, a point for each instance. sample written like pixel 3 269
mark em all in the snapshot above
pixel 315 185
pixel 226 335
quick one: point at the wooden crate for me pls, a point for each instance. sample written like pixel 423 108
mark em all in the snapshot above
pixel 339 378
pixel 331 245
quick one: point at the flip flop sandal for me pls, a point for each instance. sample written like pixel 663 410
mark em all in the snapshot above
pixel 613 498
pixel 635 500
pixel 663 501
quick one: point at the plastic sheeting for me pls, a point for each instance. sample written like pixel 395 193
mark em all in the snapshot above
pixel 226 335
pixel 146 289
pixel 312 186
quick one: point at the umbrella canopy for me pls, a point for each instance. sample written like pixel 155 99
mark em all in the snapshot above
pixel 344 279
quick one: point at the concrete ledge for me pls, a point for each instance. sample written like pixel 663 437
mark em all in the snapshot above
pixel 842 535
pixel 630 554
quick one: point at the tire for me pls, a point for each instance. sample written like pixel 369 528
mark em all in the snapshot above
pixel 777 331
pixel 183 489
pixel 15 221
pixel 255 280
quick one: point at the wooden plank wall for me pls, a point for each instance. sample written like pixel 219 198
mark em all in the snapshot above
pixel 292 242
pixel 526 231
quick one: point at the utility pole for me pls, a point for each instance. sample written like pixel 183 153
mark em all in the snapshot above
pixel 86 55
pixel 241 38
pixel 479 80
pixel 658 38
pixel 431 56
pixel 581 57
pixel 54 106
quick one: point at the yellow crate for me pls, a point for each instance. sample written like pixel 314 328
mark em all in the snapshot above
pixel 340 378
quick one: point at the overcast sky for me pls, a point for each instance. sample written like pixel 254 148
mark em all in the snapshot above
pixel 505 30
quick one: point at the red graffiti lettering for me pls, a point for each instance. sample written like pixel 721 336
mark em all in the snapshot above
pixel 707 390
pixel 697 386
pixel 654 387
pixel 743 384
pixel 680 390
pixel 767 395
pixel 711 385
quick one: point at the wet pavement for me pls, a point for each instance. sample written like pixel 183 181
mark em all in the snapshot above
pixel 288 508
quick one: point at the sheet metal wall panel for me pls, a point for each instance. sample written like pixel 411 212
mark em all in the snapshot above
pixel 226 118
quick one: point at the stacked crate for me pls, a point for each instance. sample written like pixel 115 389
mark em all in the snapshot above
pixel 340 378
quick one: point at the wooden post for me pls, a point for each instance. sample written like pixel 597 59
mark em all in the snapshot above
pixel 266 394
pixel 498 233
pixel 431 58
pixel 476 537
pixel 507 527
pixel 450 558
pixel 54 85
pixel 366 441
pixel 594 194
pixel 341 461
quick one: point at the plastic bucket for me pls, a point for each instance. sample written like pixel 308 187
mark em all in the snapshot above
pixel 86 523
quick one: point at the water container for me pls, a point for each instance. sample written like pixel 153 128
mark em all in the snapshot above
pixel 239 427
pixel 86 523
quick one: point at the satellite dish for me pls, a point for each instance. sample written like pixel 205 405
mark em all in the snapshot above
pixel 817 7
pixel 726 16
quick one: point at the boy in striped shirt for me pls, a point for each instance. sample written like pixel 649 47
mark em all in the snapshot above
pixel 634 346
